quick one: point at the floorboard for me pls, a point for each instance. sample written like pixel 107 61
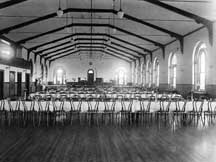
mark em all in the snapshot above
pixel 108 144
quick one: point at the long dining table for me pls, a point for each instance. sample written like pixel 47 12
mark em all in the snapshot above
pixel 136 105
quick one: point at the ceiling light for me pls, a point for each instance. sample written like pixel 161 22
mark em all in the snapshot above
pixel 108 41
pixel 68 29
pixel 5 42
pixel 114 30
pixel 72 40
pixel 60 12
pixel 59 71
pixel 120 13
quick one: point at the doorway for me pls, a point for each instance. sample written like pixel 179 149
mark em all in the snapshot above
pixel 27 83
pixel 1 84
pixel 90 76
pixel 12 84
pixel 19 84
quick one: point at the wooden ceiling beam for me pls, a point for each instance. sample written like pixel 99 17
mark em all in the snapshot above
pixel 196 18
pixel 102 45
pixel 10 3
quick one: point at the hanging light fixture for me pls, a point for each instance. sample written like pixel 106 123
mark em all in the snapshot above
pixel 120 12
pixel 72 41
pixel 60 12
pixel 67 25
pixel 91 29
pixel 75 48
pixel 114 29
pixel 104 45
pixel 109 41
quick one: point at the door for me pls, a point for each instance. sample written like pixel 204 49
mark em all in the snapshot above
pixel 90 76
pixel 1 84
pixel 27 83
pixel 12 84
pixel 19 84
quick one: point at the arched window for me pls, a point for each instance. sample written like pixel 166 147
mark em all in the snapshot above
pixel 136 73
pixel 172 69
pixel 149 73
pixel 90 76
pixel 144 74
pixel 46 71
pixel 121 76
pixel 31 67
pixel 156 72
pixel 42 72
pixel 59 76
pixel 199 66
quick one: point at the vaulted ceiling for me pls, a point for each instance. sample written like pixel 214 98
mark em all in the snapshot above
pixel 147 25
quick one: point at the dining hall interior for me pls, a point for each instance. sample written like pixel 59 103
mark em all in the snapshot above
pixel 107 80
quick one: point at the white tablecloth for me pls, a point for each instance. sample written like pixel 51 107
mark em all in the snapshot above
pixel 101 106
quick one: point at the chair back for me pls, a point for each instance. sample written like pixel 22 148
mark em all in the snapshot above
pixel 37 97
pixel 13 105
pixel 58 105
pixel 75 103
pixel 109 104
pixel 148 107
pixel 127 104
pixel 43 105
pixel 181 105
pixel 210 109
pixel 165 104
pixel 2 103
pixel 198 105
pixel 92 103
pixel 28 105
pixel 48 97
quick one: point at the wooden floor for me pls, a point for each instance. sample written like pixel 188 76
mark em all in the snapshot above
pixel 108 144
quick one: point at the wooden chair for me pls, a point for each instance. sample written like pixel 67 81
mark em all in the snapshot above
pixel 210 113
pixel 44 112
pixel 145 114
pixel 58 112
pixel 164 110
pixel 92 112
pixel 3 113
pixel 14 113
pixel 109 111
pixel 126 110
pixel 196 113
pixel 75 105
pixel 29 112
pixel 180 110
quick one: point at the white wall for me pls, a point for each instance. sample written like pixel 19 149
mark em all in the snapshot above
pixel 75 67
pixel 184 68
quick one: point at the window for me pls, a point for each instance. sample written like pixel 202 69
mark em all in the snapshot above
pixel 156 72
pixel 59 76
pixel 144 74
pixel 172 69
pixel 42 72
pixel 136 73
pixel 149 74
pixel 121 76
pixel 199 66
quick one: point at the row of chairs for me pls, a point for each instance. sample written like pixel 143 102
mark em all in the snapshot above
pixel 108 96
pixel 52 112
